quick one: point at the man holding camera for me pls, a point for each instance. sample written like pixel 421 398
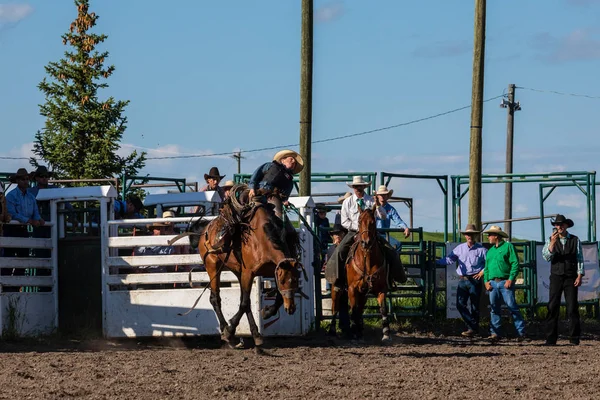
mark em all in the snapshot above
pixel 563 251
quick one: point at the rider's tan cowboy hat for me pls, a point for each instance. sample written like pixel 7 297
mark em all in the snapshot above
pixel 214 173
pixel 21 173
pixel 496 230
pixel 228 185
pixel 384 190
pixel 471 229
pixel 290 153
pixel 165 214
pixel 358 181
pixel 561 219
pixel 42 172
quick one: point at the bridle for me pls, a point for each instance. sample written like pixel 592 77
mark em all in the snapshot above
pixel 367 246
pixel 289 293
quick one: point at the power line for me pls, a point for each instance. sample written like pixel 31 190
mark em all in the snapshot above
pixel 328 139
pixel 560 93
pixel 229 153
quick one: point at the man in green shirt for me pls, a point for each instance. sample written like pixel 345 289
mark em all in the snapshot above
pixel 500 273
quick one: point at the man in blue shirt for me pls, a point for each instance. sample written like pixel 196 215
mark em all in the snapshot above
pixel 22 207
pixel 470 257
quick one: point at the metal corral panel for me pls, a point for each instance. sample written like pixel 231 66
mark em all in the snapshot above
pixel 34 313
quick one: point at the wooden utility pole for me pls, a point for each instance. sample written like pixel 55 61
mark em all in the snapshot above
pixel 477 115
pixel 238 157
pixel 510 126
pixel 306 77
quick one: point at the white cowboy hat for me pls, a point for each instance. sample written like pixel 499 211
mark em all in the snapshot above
pixel 358 181
pixel 384 190
pixel 290 153
pixel 496 230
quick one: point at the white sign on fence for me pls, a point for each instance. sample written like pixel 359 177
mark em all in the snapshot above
pixel 452 280
pixel 589 289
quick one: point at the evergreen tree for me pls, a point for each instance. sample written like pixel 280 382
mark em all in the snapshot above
pixel 82 133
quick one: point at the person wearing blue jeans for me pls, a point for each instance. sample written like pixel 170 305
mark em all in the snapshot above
pixel 470 260
pixel 500 273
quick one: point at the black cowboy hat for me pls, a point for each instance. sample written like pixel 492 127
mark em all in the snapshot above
pixel 561 219
pixel 21 173
pixel 137 203
pixel 214 173
pixel 321 207
pixel 337 229
pixel 41 171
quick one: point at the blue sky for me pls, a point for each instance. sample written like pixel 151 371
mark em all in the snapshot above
pixel 206 77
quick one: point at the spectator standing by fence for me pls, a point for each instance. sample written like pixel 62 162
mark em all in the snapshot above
pixel 41 176
pixel 470 257
pixel 500 273
pixel 563 251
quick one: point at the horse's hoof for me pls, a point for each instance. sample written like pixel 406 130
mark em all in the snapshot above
pixel 267 312
pixel 386 339
pixel 259 351
pixel 258 341
pixel 239 346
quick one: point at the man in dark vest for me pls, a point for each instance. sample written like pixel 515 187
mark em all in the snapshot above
pixel 563 251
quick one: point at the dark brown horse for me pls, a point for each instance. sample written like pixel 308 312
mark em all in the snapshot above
pixel 366 272
pixel 258 248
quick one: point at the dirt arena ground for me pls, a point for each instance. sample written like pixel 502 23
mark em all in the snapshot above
pixel 414 366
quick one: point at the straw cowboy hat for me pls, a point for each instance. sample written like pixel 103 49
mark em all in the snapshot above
pixel 358 181
pixel 341 199
pixel 384 190
pixel 561 219
pixel 496 230
pixel 471 229
pixel 290 153
pixel 228 185
pixel 41 171
pixel 21 173
pixel 214 173
pixel 165 214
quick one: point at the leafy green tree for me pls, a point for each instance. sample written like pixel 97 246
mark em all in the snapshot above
pixel 82 132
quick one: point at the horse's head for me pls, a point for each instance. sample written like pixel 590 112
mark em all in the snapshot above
pixel 287 277
pixel 367 230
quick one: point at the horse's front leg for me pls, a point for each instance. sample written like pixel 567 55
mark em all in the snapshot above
pixel 245 288
pixel 357 305
pixel 215 294
pixel 270 311
pixel 335 298
pixel 384 317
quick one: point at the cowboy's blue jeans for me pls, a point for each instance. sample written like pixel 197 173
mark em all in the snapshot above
pixel 497 294
pixel 469 290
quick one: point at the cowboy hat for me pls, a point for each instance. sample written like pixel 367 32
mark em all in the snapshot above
pixel 561 219
pixel 165 214
pixel 341 199
pixel 214 173
pixel 384 190
pixel 290 153
pixel 337 229
pixel 471 229
pixel 358 181
pixel 228 185
pixel 496 230
pixel 41 171
pixel 320 207
pixel 21 173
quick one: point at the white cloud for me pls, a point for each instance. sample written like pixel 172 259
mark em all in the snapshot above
pixel 571 200
pixel 329 12
pixel 13 13
pixel 520 208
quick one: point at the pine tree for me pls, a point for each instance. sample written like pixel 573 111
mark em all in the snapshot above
pixel 82 133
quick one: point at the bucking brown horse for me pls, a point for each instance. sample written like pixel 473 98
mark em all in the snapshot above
pixel 257 248
pixel 366 272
